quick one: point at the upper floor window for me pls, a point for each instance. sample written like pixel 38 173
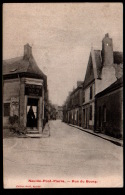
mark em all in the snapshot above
pixel 6 109
pixel 83 96
pixel 91 94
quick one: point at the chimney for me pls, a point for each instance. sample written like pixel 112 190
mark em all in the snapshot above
pixel 27 51
pixel 79 83
pixel 107 51
pixel 69 93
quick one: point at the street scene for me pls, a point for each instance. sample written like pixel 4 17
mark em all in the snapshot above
pixel 68 156
pixel 62 95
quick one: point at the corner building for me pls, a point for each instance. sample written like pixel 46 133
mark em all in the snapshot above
pixel 24 85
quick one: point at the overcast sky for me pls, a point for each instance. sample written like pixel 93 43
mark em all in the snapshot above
pixel 61 36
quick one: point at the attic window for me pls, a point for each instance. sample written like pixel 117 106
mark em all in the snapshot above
pixel 13 70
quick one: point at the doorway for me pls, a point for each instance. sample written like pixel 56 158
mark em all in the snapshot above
pixel 32 112
pixel 84 118
pixel 87 118
pixel 100 117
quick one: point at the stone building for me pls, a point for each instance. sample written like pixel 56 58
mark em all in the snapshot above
pixel 24 87
pixel 104 68
pixel 74 105
pixel 60 113
pixel 109 110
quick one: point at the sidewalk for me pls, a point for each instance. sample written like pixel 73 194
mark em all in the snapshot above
pixel 103 136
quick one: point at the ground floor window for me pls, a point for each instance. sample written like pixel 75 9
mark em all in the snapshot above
pixel 6 109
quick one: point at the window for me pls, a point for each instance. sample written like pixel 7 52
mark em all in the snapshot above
pixel 91 92
pixel 90 112
pixel 83 96
pixel 104 113
pixel 6 109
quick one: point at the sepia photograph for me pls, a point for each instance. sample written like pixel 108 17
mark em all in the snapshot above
pixel 62 79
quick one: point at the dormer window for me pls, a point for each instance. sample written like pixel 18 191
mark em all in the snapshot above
pixel 13 70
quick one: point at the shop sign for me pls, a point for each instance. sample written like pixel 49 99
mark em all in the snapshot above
pixel 33 90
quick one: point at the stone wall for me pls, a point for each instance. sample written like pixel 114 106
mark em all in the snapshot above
pixel 113 125
pixel 11 89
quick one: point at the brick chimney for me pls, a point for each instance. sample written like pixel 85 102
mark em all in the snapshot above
pixel 27 51
pixel 79 83
pixel 107 51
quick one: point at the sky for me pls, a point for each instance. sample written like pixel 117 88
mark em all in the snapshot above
pixel 61 36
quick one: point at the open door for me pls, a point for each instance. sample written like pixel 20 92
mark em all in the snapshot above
pixel 32 112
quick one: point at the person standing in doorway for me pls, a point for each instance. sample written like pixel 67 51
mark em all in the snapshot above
pixel 31 118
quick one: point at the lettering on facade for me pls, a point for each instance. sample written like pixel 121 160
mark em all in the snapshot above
pixel 33 90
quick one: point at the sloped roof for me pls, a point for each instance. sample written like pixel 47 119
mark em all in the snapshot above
pixel 118 57
pixel 94 68
pixel 117 84
pixel 98 60
pixel 90 71
pixel 15 65
pixel 21 65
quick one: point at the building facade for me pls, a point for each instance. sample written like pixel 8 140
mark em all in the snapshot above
pixel 24 88
pixel 72 108
pixel 104 68
pixel 109 110
pixel 60 113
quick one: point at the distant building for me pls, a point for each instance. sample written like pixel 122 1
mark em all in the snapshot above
pixel 52 111
pixel 24 86
pixel 60 112
pixel 74 104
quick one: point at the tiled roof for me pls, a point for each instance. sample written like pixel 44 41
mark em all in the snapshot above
pixel 117 84
pixel 118 57
pixel 98 60
pixel 21 65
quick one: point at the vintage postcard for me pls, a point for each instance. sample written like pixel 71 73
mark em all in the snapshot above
pixel 62 95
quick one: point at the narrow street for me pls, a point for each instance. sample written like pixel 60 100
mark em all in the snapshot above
pixel 73 157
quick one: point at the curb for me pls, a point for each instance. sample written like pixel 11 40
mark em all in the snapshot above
pixel 108 139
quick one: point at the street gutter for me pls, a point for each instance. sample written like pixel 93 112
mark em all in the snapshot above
pixel 103 136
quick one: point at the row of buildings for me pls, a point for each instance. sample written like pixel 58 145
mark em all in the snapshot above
pixel 24 91
pixel 97 102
